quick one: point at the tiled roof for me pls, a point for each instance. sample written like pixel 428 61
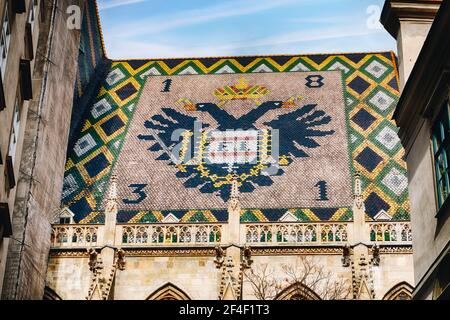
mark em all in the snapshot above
pixel 371 143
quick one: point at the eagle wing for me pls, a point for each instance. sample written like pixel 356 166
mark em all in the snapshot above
pixel 165 130
pixel 299 130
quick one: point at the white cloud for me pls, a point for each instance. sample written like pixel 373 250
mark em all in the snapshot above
pixel 124 48
pixel 196 16
pixel 141 49
pixel 136 39
pixel 342 19
pixel 311 35
pixel 104 5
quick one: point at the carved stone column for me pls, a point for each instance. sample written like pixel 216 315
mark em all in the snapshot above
pixel 104 264
pixel 358 256
pixel 235 258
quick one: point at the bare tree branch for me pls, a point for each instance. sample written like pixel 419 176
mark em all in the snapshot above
pixel 306 273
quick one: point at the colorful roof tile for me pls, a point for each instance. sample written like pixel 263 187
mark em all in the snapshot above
pixel 332 112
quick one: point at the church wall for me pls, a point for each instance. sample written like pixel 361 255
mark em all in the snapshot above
pixel 330 263
pixel 199 278
pixel 69 277
pixel 196 276
pixel 393 269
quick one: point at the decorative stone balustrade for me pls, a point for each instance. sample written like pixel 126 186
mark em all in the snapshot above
pixel 254 234
pixel 296 233
pixel 81 236
pixel 170 234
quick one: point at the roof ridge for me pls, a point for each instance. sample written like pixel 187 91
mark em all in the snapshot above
pixel 100 30
pixel 255 56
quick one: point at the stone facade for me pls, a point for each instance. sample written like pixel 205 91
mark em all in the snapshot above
pixel 39 162
pixel 139 270
pixel 14 19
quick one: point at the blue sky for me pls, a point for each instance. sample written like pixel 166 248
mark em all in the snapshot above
pixel 199 28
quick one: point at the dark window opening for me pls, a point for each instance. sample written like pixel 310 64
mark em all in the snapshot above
pixel 441 151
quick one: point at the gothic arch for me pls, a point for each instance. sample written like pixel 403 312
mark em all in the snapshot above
pixel 50 294
pixel 401 291
pixel 297 291
pixel 168 291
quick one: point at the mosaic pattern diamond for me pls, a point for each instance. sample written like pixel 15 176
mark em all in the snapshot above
pixel 359 85
pixel 396 181
pixel 382 101
pixel 363 119
pixel 376 69
pixel 388 138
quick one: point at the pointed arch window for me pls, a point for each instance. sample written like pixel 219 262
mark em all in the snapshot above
pixel 168 291
pixel 401 291
pixel 297 291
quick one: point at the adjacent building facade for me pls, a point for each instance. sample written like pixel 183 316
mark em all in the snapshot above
pixel 38 69
pixel 210 178
pixel 423 117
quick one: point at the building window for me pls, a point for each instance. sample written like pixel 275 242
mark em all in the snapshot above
pixel 14 131
pixel 32 14
pixel 441 150
pixel 5 39
pixel 64 220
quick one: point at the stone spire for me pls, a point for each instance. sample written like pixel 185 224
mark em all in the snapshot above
pixel 357 192
pixel 104 264
pixel 362 273
pixel 111 201
pixel 234 212
pixel 360 229
pixel 234 197
pixel 231 275
pixel 111 212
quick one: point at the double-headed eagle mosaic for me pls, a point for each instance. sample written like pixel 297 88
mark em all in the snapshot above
pixel 211 156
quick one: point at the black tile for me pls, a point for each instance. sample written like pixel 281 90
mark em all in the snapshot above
pixel 126 91
pixel 112 125
pixel 369 159
pixel 374 204
pixel 355 57
pixel 96 165
pixel 393 83
pixel 359 84
pixel 281 60
pixel 318 58
pixel 363 119
pixel 136 64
